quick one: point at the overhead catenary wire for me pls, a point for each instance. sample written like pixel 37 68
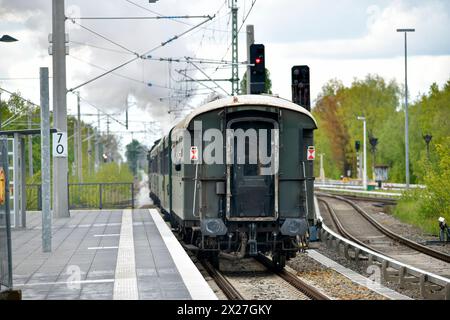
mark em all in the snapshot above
pixel 106 38
pixel 137 57
pixel 206 75
pixel 19 97
pixel 101 48
pixel 175 20
pixel 140 18
pixel 202 84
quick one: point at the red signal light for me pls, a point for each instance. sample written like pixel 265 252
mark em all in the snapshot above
pixel 258 60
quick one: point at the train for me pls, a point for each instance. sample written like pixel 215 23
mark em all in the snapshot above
pixel 234 180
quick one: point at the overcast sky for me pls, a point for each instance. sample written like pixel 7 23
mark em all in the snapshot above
pixel 343 39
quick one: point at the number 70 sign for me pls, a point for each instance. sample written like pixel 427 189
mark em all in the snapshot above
pixel 60 144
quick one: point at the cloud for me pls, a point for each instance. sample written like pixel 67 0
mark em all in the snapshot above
pixel 380 39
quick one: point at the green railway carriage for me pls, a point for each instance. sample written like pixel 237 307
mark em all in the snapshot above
pixel 229 202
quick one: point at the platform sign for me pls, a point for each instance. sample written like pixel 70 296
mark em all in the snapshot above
pixel 194 153
pixel 311 153
pixel 60 144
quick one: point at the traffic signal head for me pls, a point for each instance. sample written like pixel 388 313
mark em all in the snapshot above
pixel 257 69
pixel 357 145
pixel 300 86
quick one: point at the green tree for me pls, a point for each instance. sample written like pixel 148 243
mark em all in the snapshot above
pixel 337 109
pixel 267 87
pixel 133 151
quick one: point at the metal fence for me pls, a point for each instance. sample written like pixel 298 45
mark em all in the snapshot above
pixel 89 196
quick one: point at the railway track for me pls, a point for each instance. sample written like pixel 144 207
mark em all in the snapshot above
pixel 386 201
pixel 222 282
pixel 287 281
pixel 364 230
pixel 293 280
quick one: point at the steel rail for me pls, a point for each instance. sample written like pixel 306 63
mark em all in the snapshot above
pixel 293 280
pixel 409 243
pixel 228 289
pixel 341 228
pixel 389 201
pixel 427 281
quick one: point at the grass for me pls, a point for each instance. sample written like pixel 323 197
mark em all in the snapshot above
pixel 410 211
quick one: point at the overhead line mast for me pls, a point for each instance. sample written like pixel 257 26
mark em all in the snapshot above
pixel 234 47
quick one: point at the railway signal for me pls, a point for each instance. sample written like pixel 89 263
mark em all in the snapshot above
pixel 257 69
pixel 300 86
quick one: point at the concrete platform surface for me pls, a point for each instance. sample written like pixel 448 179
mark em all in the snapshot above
pixel 105 254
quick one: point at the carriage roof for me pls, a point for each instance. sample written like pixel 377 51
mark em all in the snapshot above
pixel 234 101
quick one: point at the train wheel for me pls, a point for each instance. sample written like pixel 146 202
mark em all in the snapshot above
pixel 279 260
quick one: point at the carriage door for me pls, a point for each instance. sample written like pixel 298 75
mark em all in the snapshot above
pixel 252 188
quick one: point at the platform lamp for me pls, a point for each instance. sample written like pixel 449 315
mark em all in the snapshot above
pixel 363 119
pixel 405 31
pixel 427 139
pixel 7 38
pixel 373 143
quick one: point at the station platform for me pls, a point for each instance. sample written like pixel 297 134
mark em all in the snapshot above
pixel 105 255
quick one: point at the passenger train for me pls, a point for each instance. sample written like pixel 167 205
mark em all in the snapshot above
pixel 234 180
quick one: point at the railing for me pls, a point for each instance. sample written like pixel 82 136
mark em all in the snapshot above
pixel 89 196
pixel 431 286
pixel 34 196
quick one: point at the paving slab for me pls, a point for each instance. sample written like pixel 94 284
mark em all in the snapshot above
pixel 103 255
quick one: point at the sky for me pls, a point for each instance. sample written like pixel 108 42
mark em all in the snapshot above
pixel 342 40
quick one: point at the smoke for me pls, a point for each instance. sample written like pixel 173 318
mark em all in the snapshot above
pixel 111 92
pixel 143 198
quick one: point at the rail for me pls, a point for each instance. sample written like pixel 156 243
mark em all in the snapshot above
pixel 432 286
pixel 411 244
pixel 310 291
pixel 228 289
pixel 355 191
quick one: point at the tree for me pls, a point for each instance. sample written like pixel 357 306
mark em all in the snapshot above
pixel 133 152
pixel 268 84
pixel 336 111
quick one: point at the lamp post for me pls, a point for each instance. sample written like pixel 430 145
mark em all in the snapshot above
pixel 5 38
pixel 427 139
pixel 373 142
pixel 405 31
pixel 364 153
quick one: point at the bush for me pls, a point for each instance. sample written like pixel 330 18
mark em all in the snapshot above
pixel 436 199
pixel 422 207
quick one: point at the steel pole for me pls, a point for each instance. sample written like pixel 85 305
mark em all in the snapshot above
pixel 365 156
pixel 250 41
pixel 45 163
pixel 406 117
pixel 79 142
pixel 60 164
pixel 30 149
